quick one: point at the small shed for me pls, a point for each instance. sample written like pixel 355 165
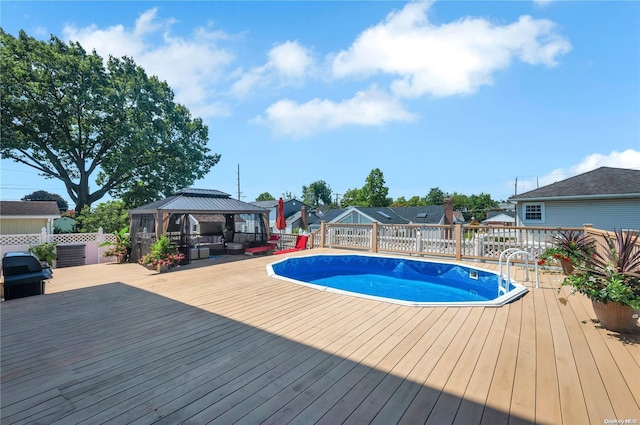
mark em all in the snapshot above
pixel 175 216
pixel 27 217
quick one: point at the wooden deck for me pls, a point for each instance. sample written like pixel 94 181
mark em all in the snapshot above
pixel 223 344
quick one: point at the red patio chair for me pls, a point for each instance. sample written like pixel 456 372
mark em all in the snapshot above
pixel 301 244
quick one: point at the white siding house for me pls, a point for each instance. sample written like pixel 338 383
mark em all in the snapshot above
pixel 608 198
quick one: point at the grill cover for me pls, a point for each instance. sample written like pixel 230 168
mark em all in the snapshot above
pixel 23 275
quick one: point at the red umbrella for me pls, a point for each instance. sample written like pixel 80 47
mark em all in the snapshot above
pixel 281 223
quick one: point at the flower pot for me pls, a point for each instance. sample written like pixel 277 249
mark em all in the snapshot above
pixel 163 268
pixel 567 266
pixel 616 316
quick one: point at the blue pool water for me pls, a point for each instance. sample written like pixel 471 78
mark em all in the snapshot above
pixel 413 282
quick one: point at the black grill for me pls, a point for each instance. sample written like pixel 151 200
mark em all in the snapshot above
pixel 23 274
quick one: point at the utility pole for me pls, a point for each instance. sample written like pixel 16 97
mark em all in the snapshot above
pixel 515 189
pixel 239 193
pixel 337 194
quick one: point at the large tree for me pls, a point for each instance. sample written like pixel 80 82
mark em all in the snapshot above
pixel 316 193
pixel 74 117
pixel 374 192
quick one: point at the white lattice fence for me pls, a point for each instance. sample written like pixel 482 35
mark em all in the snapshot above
pixel 9 240
pixel 91 241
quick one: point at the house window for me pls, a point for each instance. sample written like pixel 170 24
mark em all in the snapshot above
pixel 534 212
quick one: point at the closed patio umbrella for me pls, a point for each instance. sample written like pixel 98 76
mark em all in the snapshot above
pixel 281 223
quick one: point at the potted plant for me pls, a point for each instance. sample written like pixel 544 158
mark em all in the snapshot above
pixel 162 255
pixel 45 252
pixel 121 248
pixel 610 277
pixel 568 249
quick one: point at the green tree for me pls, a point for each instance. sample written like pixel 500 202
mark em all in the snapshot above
pixel 265 196
pixel 112 216
pixel 351 197
pixel 374 192
pixel 288 195
pixel 478 205
pixel 72 117
pixel 400 202
pixel 416 201
pixel 435 196
pixel 316 193
pixel 43 195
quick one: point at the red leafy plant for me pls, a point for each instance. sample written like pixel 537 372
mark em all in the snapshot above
pixel 612 272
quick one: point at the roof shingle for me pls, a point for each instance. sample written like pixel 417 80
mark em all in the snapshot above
pixel 601 182
pixel 29 208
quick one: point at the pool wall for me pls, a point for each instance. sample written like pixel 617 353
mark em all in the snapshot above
pixel 301 270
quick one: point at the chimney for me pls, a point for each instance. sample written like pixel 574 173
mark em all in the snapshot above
pixel 448 211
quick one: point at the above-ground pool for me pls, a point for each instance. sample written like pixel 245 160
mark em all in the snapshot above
pixel 399 280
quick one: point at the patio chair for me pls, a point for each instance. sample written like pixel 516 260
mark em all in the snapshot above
pixel 301 244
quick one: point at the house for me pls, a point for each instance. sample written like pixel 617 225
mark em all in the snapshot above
pixel 318 216
pixel 293 210
pixel 434 214
pixel 499 218
pixel 608 198
pixel 27 217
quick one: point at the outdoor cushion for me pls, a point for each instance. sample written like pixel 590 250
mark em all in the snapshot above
pixel 258 250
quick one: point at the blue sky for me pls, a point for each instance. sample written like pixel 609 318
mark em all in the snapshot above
pixel 464 96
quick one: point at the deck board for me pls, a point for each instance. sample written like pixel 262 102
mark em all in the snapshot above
pixel 225 343
pixel 547 395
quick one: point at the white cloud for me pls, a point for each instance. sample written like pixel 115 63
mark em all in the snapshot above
pixel 288 64
pixel 191 66
pixel 367 108
pixel 290 60
pixel 629 158
pixel 449 59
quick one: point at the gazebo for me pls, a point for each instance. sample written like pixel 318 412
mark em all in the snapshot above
pixel 191 214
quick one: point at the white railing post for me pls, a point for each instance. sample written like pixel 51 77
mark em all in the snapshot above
pixel 44 237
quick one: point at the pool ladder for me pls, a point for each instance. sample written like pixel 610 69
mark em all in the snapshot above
pixel 504 280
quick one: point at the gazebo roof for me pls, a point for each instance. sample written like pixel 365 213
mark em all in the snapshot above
pixel 198 201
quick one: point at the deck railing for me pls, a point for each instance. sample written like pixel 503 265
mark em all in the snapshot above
pixel 482 243
pixel 599 236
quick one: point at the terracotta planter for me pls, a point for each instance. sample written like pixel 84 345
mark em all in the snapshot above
pixel 616 317
pixel 567 266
